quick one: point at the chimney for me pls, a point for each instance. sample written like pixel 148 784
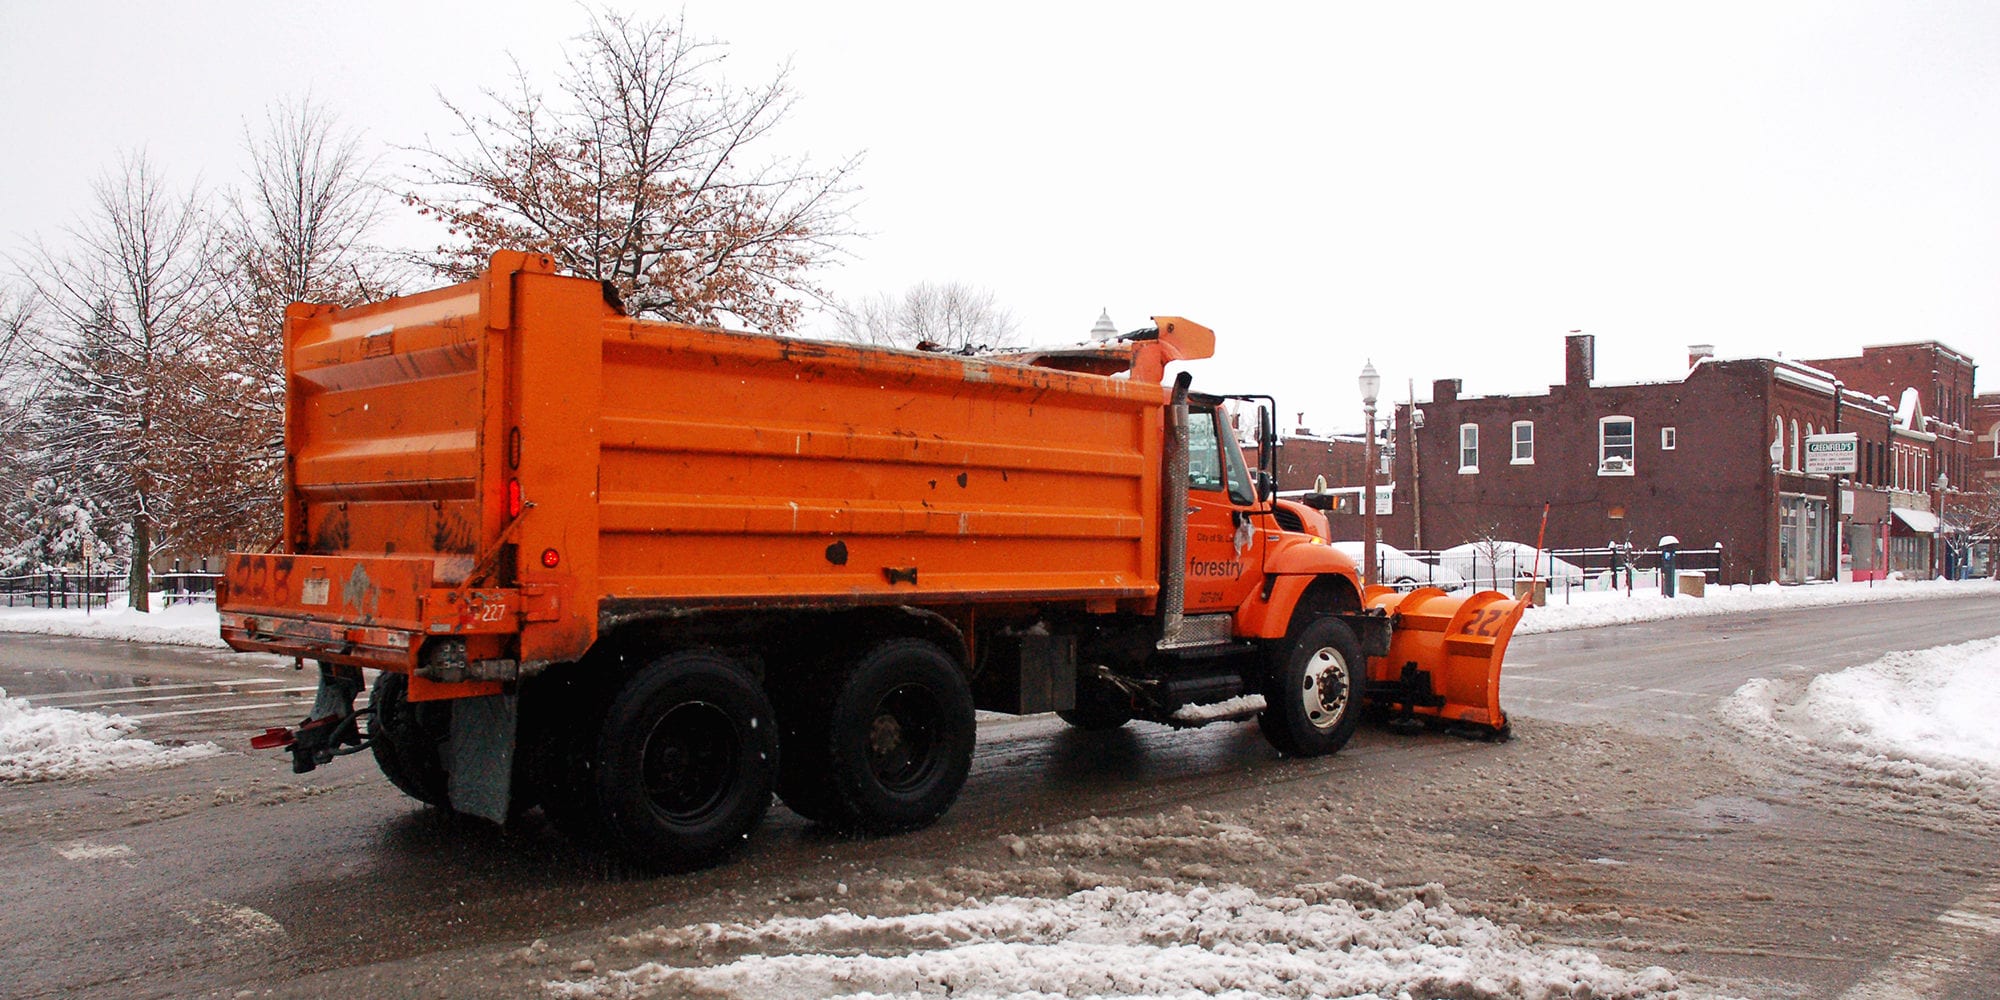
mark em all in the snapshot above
pixel 1699 352
pixel 1445 390
pixel 1579 359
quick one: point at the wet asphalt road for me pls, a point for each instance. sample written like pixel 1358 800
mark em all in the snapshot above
pixel 232 873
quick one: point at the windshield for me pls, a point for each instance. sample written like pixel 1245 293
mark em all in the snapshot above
pixel 1241 492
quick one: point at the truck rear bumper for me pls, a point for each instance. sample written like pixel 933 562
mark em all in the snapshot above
pixel 364 611
pixel 332 642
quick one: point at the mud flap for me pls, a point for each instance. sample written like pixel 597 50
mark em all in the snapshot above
pixel 481 755
pixel 1444 655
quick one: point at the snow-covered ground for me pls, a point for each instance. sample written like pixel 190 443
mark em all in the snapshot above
pixel 1590 609
pixel 44 744
pixel 181 625
pixel 1919 717
pixel 1349 938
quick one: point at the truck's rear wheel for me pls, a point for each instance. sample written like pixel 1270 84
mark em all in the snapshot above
pixel 805 775
pixel 1313 693
pixel 561 717
pixel 898 740
pixel 685 761
pixel 407 739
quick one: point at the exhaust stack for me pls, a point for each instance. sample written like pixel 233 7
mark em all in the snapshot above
pixel 1173 520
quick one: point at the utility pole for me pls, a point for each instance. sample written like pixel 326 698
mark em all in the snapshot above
pixel 1416 423
pixel 1371 386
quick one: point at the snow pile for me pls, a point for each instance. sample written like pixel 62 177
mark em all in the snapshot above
pixel 1921 715
pixel 1596 608
pixel 1345 939
pixel 181 625
pixel 44 744
pixel 1239 707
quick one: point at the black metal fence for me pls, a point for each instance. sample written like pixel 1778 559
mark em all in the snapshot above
pixel 94 590
pixel 59 590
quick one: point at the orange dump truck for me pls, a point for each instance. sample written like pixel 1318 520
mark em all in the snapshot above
pixel 643 575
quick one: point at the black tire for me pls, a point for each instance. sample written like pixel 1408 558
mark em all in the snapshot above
pixel 1313 693
pixel 407 739
pixel 685 761
pixel 898 738
pixel 805 774
pixel 563 749
pixel 1099 708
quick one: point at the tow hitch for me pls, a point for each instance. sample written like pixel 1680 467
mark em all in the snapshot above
pixel 333 729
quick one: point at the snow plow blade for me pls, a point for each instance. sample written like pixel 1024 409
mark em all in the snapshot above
pixel 1444 655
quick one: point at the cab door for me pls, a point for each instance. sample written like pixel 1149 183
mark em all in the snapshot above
pixel 1225 551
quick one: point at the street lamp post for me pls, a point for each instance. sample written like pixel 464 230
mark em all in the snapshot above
pixel 1939 564
pixel 1371 387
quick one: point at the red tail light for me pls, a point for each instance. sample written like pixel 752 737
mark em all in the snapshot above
pixel 513 498
pixel 550 558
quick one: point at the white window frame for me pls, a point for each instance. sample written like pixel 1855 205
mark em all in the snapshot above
pixel 1669 439
pixel 1605 466
pixel 1796 461
pixel 1468 432
pixel 1514 442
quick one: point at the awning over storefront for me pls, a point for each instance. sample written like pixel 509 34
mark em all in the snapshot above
pixel 1922 522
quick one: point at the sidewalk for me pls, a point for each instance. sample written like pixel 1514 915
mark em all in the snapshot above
pixel 1594 609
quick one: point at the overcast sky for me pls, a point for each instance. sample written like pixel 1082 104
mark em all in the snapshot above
pixel 1447 189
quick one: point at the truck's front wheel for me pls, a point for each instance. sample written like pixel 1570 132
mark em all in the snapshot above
pixel 685 761
pixel 1313 694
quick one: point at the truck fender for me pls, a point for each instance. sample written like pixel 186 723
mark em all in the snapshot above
pixel 1302 554
pixel 1292 570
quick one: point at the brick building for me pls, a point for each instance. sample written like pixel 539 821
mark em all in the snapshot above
pixel 1716 457
pixel 1306 458
pixel 1984 472
pixel 1978 505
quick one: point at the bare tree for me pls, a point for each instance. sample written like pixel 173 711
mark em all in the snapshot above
pixel 639 171
pixel 1975 511
pixel 945 316
pixel 126 307
pixel 311 206
pixel 16 401
pixel 15 351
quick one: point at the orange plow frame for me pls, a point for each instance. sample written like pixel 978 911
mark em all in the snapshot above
pixel 1444 654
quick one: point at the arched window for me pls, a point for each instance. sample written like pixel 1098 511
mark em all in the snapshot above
pixel 1778 440
pixel 1794 463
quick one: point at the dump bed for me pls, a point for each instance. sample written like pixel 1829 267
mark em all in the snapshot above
pixel 513 462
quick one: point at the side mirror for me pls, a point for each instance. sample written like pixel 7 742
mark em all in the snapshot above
pixel 1267 486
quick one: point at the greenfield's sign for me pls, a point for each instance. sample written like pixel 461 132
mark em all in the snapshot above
pixel 1832 453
